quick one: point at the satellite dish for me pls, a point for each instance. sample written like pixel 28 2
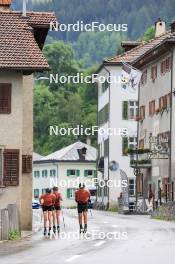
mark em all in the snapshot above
pixel 113 165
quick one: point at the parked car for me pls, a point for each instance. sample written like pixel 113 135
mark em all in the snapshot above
pixel 36 204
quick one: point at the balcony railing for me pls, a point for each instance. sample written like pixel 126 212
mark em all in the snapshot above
pixel 139 158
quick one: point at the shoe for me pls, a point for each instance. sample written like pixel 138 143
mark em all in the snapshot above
pixel 45 232
pixel 54 229
pixel 49 231
pixel 81 229
pixel 85 228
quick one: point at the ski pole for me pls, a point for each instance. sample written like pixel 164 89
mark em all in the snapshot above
pixel 63 219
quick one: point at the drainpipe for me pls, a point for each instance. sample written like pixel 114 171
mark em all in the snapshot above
pixel 171 120
pixel 109 126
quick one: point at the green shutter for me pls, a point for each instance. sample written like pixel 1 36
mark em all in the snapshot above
pixel 85 173
pixel 125 146
pixel 78 172
pixel 68 193
pixel 68 172
pixel 125 110
pixel 95 173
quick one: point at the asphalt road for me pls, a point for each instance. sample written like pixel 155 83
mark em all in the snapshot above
pixel 112 239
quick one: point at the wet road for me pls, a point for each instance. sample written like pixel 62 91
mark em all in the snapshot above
pixel 112 238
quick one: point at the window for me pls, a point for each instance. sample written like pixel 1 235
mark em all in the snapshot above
pixel 36 174
pixel 165 66
pixel 141 143
pixel 132 187
pixel 128 143
pixel 144 78
pixel 142 112
pixel 5 98
pixel 152 108
pixel 129 110
pixel 11 167
pixel 26 163
pixel 71 193
pixel 163 101
pixel 104 115
pixel 140 184
pixel 154 72
pixel 90 173
pixel 43 191
pixel 52 173
pixel 73 172
pixel 36 193
pixel 106 147
pixel 44 173
pixel 105 86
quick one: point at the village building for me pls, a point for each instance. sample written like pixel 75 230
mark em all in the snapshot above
pixel 66 168
pixel 156 118
pixel 22 36
pixel 118 108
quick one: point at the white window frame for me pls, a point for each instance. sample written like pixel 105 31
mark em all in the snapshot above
pixel 133 144
pixel 134 107
pixel 133 184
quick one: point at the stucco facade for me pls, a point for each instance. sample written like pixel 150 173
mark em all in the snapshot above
pixel 16 132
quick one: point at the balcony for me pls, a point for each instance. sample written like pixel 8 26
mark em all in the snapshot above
pixel 140 158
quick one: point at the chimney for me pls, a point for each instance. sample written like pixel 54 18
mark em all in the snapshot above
pixel 160 27
pixel 88 141
pixel 5 5
pixel 24 8
pixel 173 26
pixel 128 45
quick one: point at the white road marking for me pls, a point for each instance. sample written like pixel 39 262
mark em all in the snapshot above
pixel 99 243
pixel 105 222
pixel 114 225
pixel 73 258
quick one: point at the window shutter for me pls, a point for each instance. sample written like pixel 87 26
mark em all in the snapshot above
pixel 85 173
pixel 5 98
pixel 11 167
pixel 95 173
pixel 125 110
pixel 26 163
pixel 1 167
pixel 68 172
pixel 125 146
pixel 78 172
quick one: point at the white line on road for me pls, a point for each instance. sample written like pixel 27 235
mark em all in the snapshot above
pixel 73 258
pixel 105 222
pixel 99 243
pixel 114 225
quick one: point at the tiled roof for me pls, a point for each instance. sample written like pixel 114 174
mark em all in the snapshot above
pixel 135 53
pixel 18 47
pixel 70 153
pixel 5 2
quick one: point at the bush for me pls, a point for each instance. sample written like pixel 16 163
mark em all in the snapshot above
pixel 14 235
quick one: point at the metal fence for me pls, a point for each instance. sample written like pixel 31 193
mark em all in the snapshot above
pixel 9 221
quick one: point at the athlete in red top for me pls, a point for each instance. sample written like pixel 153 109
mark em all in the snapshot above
pixel 57 207
pixel 82 197
pixel 47 201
